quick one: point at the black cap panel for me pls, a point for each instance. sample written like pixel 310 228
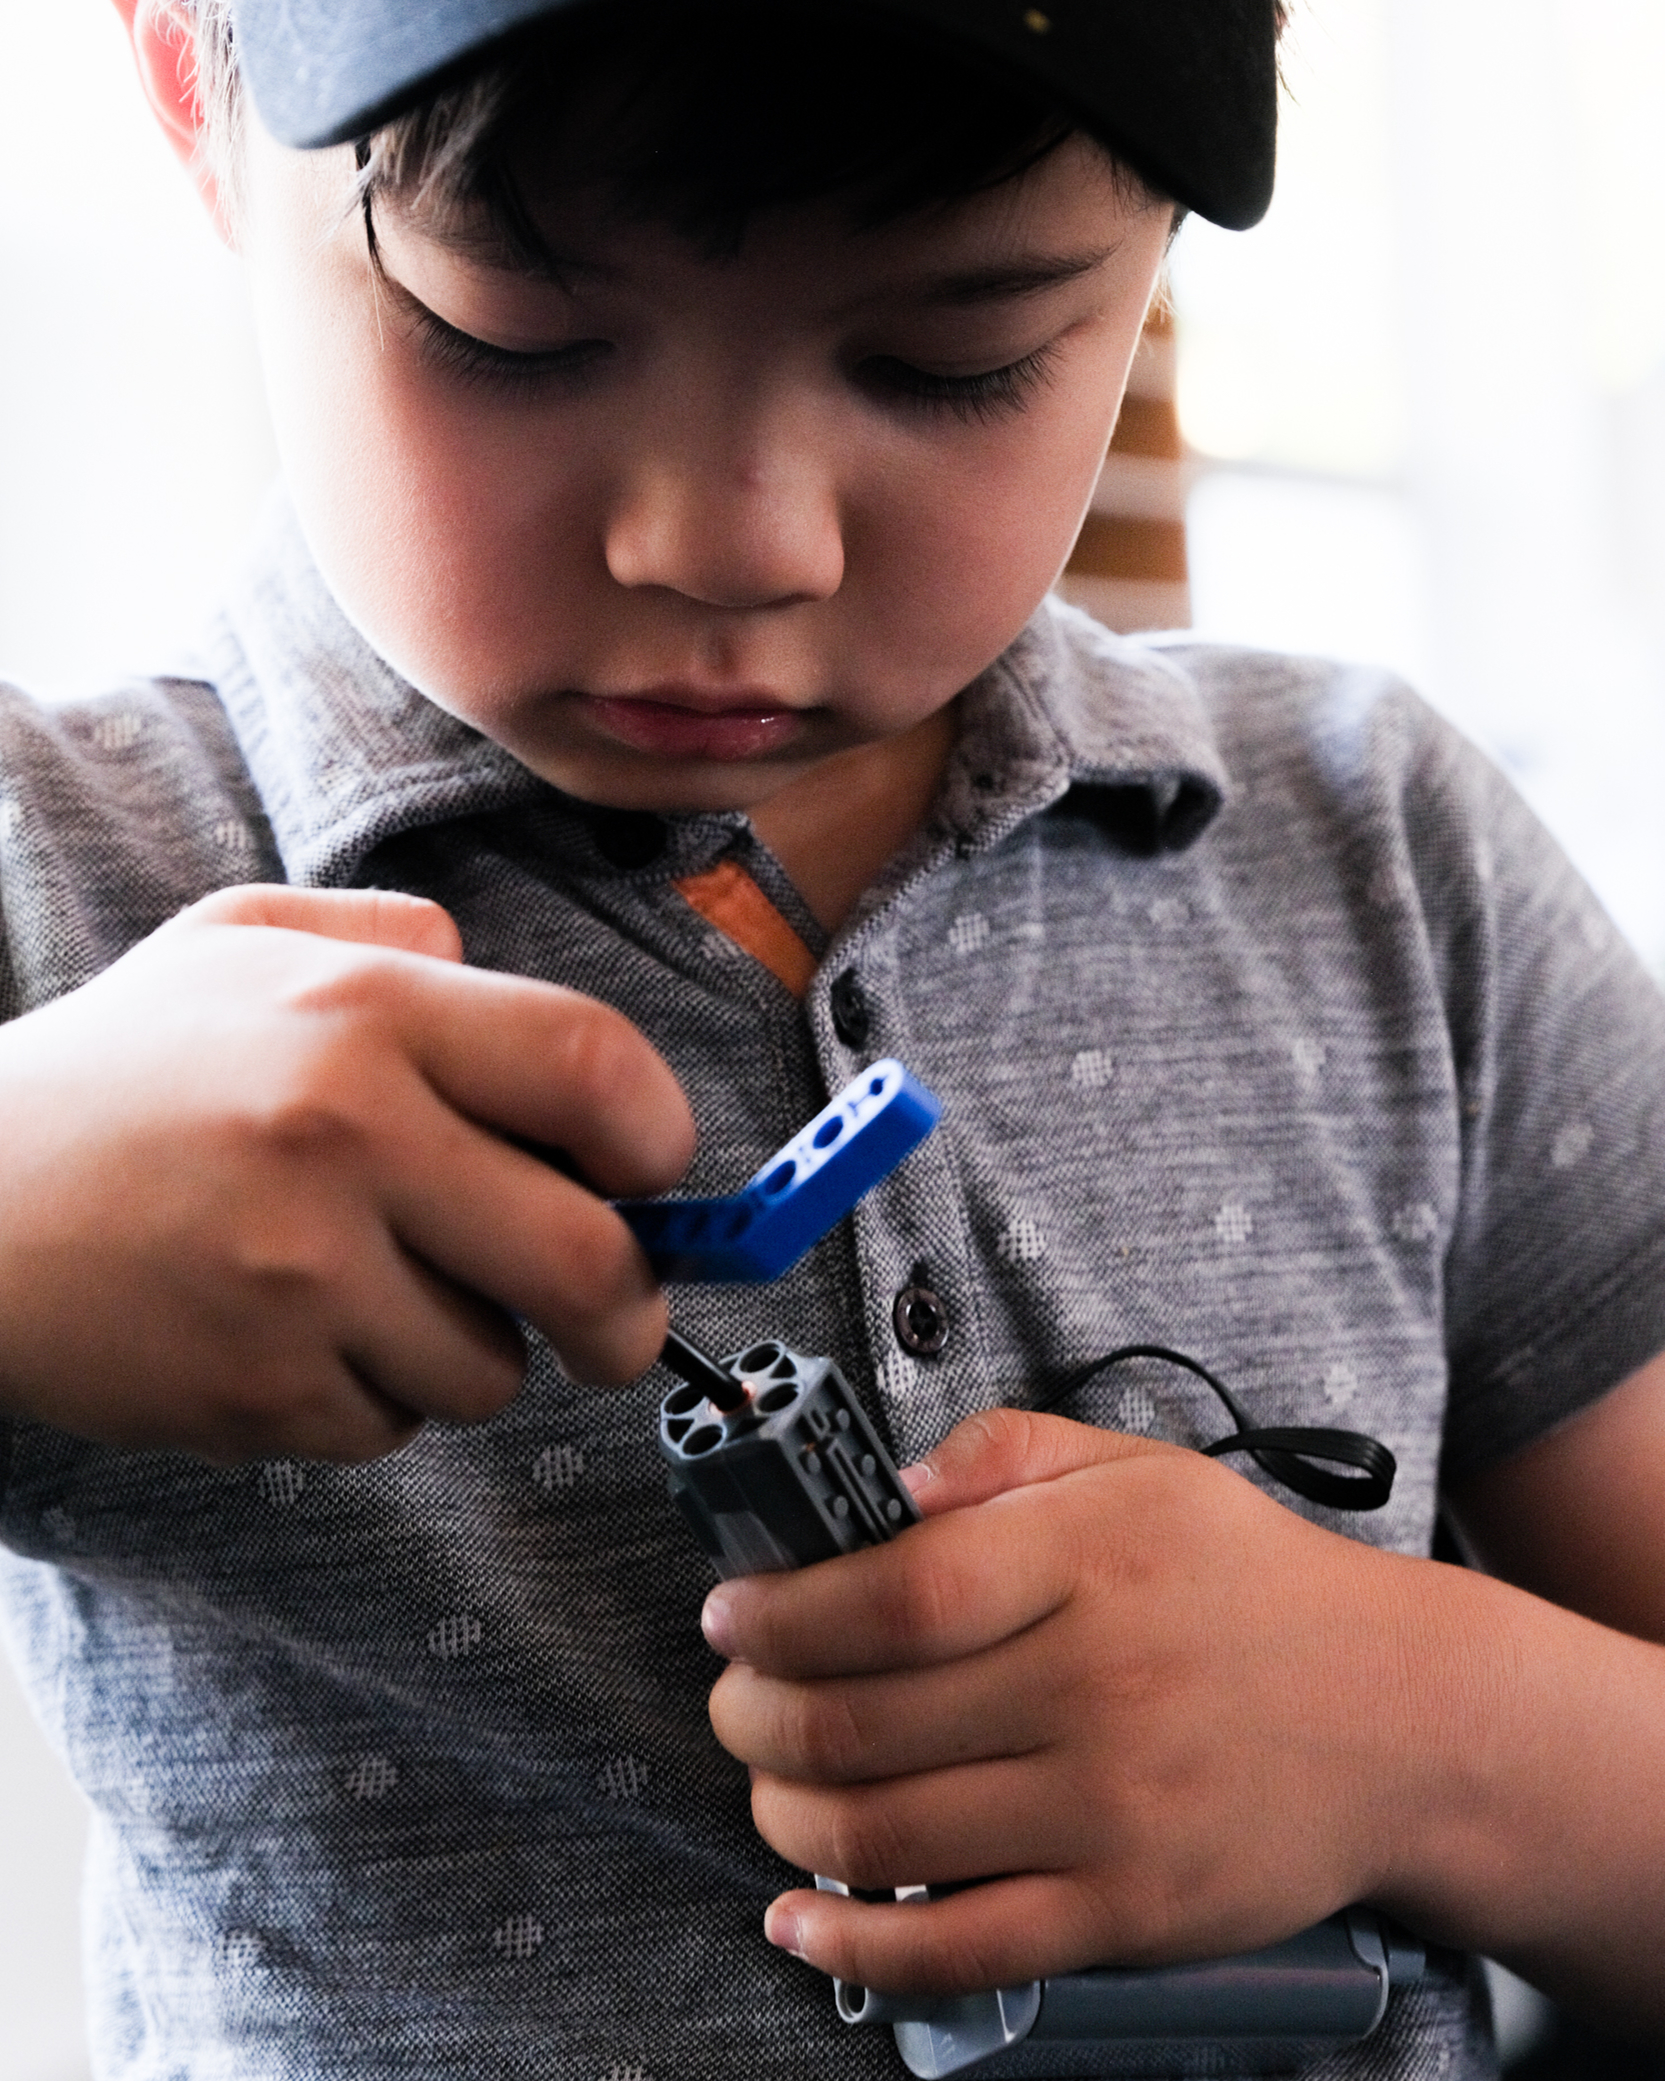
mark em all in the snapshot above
pixel 1187 94
pixel 1184 90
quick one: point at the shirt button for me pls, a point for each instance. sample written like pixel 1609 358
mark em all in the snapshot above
pixel 629 838
pixel 921 1321
pixel 852 1015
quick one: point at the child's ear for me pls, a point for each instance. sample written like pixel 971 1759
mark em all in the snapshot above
pixel 165 51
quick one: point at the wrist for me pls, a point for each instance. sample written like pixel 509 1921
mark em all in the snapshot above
pixel 1525 1810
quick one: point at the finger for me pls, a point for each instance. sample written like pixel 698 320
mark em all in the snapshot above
pixel 430 1347
pixel 368 917
pixel 994 1935
pixel 1002 1449
pixel 556 1068
pixel 318 1409
pixel 948 1588
pixel 942 1827
pixel 855 1730
pixel 545 1063
pixel 506 1226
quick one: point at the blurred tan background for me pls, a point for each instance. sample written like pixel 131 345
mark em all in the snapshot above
pixel 1418 416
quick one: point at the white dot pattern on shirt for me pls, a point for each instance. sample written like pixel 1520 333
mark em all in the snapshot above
pixel 282 1482
pixel 242 1950
pixel 455 1636
pixel 1571 1144
pixel 519 1937
pixel 1091 1070
pixel 1309 1057
pixel 1234 1223
pixel 557 1466
pixel 897 1374
pixel 373 1777
pixel 1136 1411
pixel 118 732
pixel 1021 1241
pixel 1417 1223
pixel 1341 1384
pixel 969 933
pixel 624 1777
pixel 233 837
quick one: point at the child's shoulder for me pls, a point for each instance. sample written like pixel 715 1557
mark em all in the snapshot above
pixel 1331 783
pixel 1283 735
pixel 116 811
pixel 1256 703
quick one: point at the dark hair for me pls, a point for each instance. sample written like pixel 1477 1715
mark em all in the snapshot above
pixel 702 115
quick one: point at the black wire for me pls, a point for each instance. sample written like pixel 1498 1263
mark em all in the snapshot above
pixel 1285 1453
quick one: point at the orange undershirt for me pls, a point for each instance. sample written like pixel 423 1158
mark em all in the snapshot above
pixel 727 897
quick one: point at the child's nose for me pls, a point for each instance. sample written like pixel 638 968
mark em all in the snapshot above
pixel 728 533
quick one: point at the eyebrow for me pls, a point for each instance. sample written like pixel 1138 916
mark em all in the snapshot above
pixel 1005 284
pixel 954 289
pixel 493 248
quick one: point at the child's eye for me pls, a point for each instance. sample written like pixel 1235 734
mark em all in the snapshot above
pixel 459 353
pixel 985 395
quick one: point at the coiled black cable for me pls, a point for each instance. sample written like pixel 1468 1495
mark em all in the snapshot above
pixel 1284 1452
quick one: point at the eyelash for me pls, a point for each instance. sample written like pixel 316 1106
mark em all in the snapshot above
pixel 989 394
pixel 449 349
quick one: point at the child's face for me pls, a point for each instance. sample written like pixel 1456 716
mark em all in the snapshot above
pixel 726 518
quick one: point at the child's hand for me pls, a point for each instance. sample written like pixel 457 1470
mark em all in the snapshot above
pixel 252 1200
pixel 1163 1705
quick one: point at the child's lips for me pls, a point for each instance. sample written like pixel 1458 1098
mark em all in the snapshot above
pixel 690 727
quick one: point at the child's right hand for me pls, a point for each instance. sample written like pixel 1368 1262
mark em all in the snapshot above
pixel 255 1196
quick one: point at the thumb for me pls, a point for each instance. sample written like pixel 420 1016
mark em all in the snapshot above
pixel 368 917
pixel 1002 1449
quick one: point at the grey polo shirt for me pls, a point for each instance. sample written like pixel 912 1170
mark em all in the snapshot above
pixel 1269 1025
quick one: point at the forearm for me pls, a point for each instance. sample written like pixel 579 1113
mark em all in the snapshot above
pixel 1529 1818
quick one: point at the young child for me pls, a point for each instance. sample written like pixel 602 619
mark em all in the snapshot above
pixel 644 710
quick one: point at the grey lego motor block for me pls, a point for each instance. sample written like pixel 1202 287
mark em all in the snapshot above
pixel 793 1473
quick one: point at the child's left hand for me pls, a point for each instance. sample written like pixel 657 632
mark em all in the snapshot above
pixel 1176 1716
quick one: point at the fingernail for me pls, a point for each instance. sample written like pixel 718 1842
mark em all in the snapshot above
pixel 780 1926
pixel 915 1478
pixel 717 1622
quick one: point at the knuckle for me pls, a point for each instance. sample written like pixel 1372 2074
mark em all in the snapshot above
pixel 916 1598
pixel 245 904
pixel 864 1843
pixel 598 1058
pixel 980 1961
pixel 826 1735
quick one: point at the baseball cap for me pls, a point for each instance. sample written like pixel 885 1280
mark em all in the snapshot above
pixel 1184 90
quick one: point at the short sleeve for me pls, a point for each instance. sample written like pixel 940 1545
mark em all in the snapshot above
pixel 1555 1283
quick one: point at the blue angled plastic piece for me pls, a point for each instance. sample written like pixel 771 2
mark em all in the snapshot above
pixel 761 1231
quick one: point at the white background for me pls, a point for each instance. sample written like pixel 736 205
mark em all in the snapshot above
pixel 1432 386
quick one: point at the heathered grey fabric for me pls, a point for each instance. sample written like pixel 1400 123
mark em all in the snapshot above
pixel 403 1771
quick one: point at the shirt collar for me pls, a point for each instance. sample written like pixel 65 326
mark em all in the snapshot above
pixel 346 754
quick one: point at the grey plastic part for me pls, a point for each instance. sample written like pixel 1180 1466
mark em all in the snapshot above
pixel 793 1473
pixel 1327 1985
pixel 1319 1984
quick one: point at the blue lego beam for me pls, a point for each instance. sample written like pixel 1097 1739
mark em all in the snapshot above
pixel 762 1230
